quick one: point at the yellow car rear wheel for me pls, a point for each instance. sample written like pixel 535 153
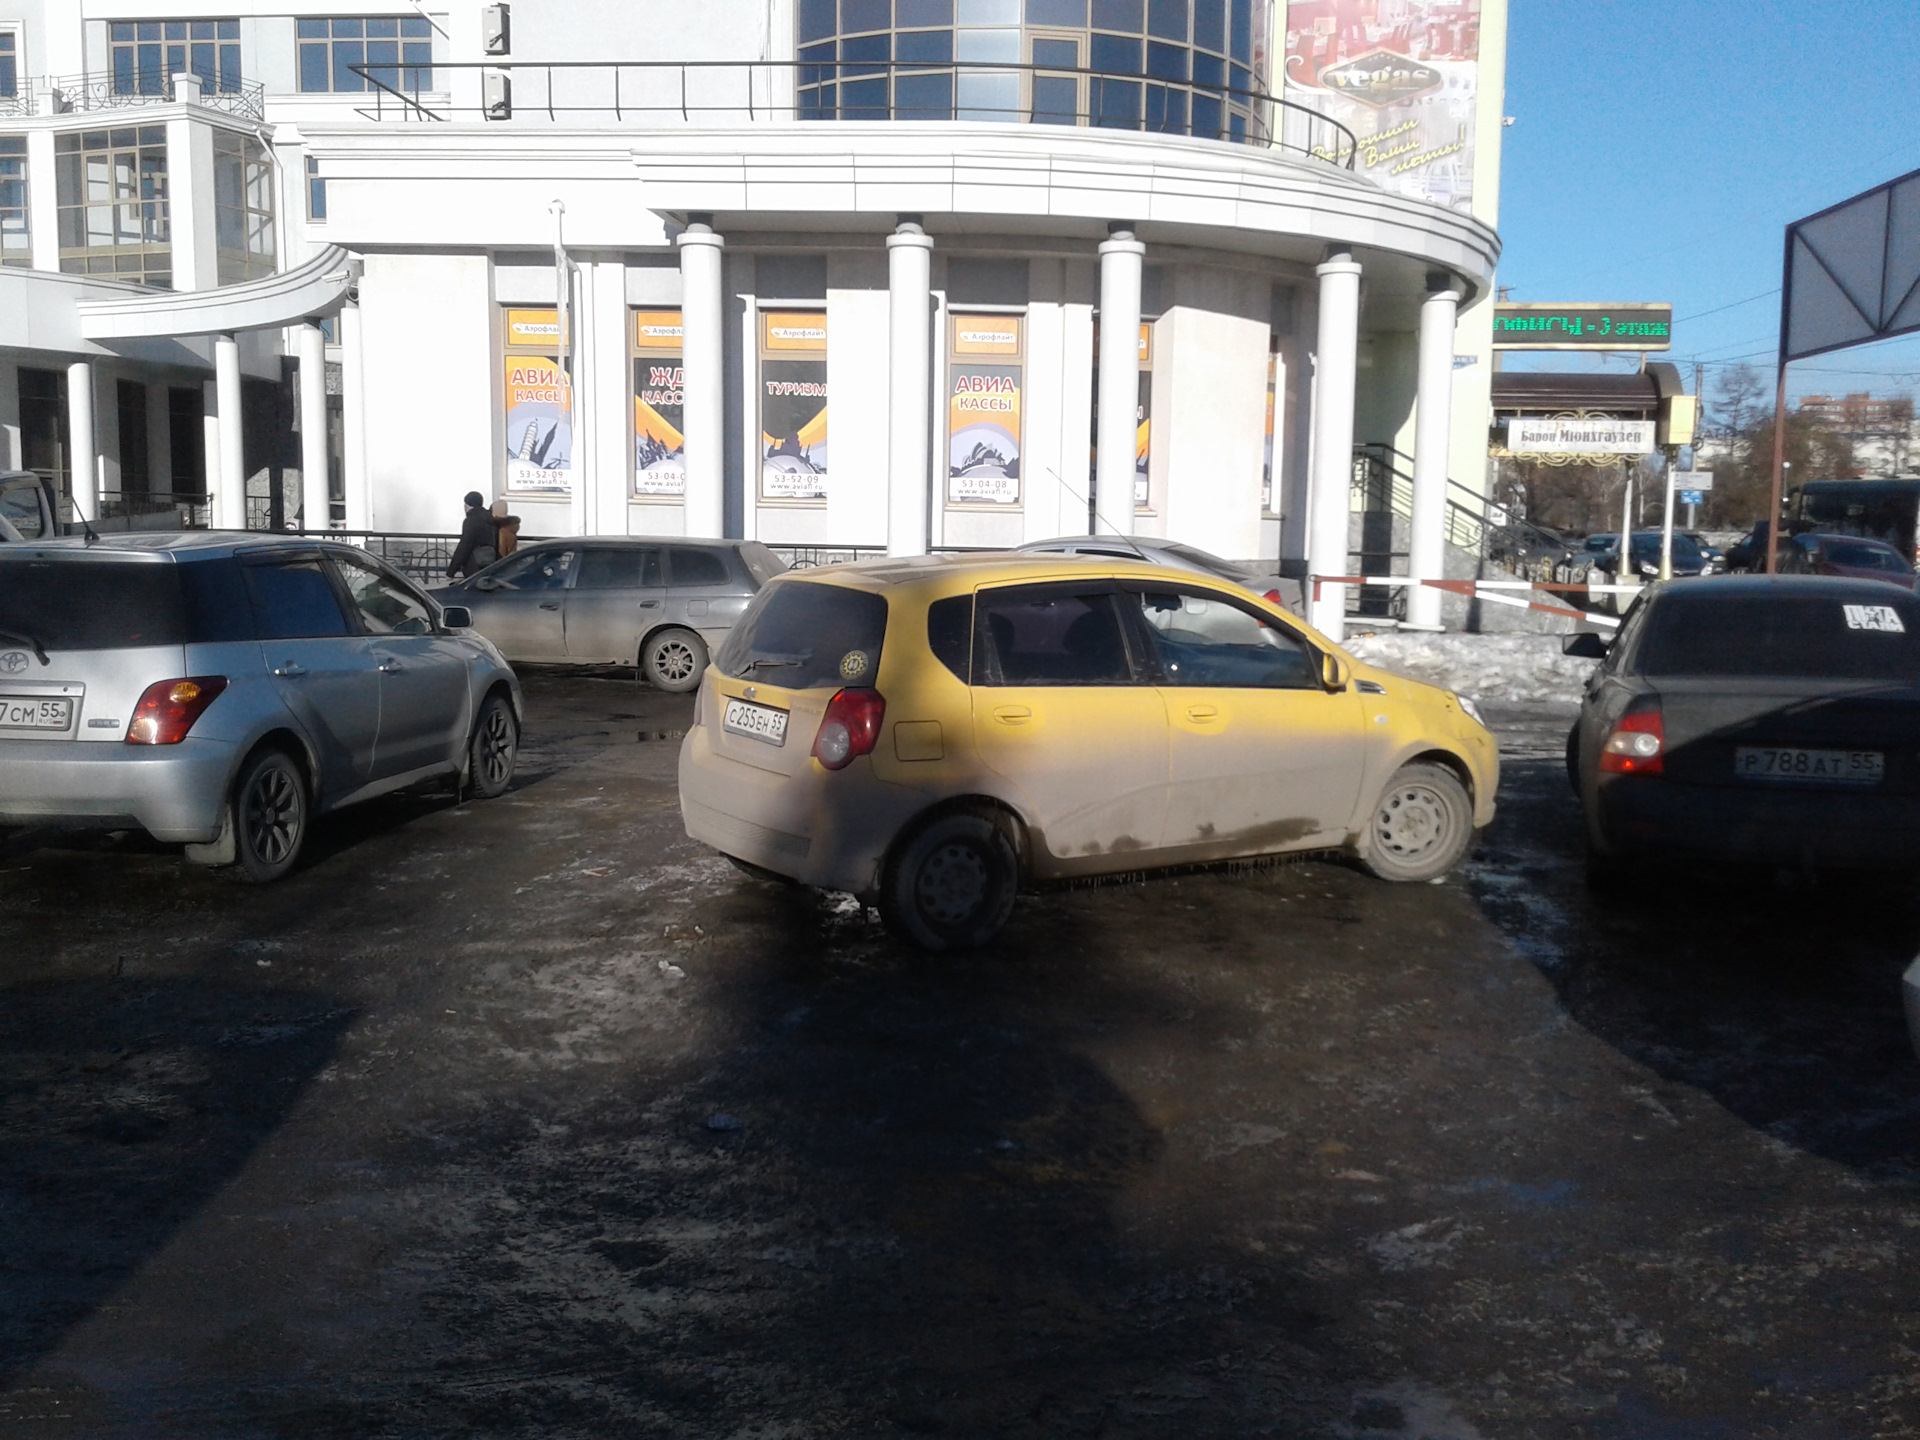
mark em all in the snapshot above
pixel 950 884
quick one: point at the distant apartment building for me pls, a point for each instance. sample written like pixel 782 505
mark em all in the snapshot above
pixel 1148 266
pixel 1885 442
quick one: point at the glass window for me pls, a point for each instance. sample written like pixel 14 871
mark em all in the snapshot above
pixel 691 566
pixel 1070 13
pixel 243 207
pixel 1050 635
pixel 1241 31
pixel 856 15
pixel 295 600
pixel 817 20
pixel 9 64
pixel 924 47
pixel 16 239
pixel 988 96
pixel 1117 54
pixel 1119 15
pixel 93 604
pixel 386 606
pixel 922 12
pixel 396 53
pixel 1167 19
pixel 995 46
pixel 1827 638
pixel 1201 639
pixel 802 634
pixel 533 570
pixel 143 58
pixel 316 191
pixel 1115 103
pixel 624 568
pixel 111 188
pixel 1166 62
pixel 989 12
pixel 950 633
pixel 1210 25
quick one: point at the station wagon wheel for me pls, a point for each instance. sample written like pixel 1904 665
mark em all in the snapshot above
pixel 951 884
pixel 269 818
pixel 674 660
pixel 1421 825
pixel 494 749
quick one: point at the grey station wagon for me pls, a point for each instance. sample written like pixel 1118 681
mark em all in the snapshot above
pixel 219 690
pixel 662 605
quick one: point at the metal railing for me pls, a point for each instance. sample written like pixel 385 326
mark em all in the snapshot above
pixel 154 509
pixel 18 103
pixel 755 91
pixel 68 94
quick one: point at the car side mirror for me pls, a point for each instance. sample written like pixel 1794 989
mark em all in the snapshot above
pixel 456 617
pixel 485 582
pixel 1334 672
pixel 1586 645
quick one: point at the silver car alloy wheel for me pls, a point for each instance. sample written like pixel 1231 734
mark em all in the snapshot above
pixel 675 661
pixel 271 815
pixel 495 750
pixel 952 884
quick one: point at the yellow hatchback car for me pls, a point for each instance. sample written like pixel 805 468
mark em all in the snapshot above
pixel 930 734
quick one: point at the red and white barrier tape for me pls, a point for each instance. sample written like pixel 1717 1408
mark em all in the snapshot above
pixel 1478 590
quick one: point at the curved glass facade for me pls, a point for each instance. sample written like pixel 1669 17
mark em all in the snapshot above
pixel 1177 67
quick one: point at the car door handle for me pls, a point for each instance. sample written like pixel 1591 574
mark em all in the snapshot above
pixel 289 671
pixel 1203 712
pixel 549 604
pixel 649 604
pixel 391 667
pixel 1012 714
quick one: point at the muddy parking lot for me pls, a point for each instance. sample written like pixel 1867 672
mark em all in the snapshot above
pixel 532 1118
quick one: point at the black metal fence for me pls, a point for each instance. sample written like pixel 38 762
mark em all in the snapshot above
pixel 707 91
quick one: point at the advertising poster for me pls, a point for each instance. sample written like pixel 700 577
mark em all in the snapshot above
pixel 539 431
pixel 983 435
pixel 1266 469
pixel 538 329
pixel 659 448
pixel 1143 416
pixel 793 407
pixel 1403 76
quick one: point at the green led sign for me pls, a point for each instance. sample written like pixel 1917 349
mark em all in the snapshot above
pixel 1582 327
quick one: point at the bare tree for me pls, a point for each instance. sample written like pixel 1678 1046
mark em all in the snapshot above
pixel 1737 398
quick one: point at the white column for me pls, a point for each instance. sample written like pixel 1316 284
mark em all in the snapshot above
pixel 1121 260
pixel 190 183
pixel 1337 353
pixel 210 446
pixel 1432 442
pixel 230 493
pixel 702 356
pixel 83 468
pixel 909 387
pixel 315 506
pixel 43 208
pixel 357 487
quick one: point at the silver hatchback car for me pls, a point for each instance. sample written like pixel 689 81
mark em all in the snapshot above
pixel 662 605
pixel 220 690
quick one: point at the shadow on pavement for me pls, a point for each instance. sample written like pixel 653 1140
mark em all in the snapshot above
pixel 1782 1001
pixel 125 1106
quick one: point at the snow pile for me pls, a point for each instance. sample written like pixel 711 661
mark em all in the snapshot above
pixel 1485 667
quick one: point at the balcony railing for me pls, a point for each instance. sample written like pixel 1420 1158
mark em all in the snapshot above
pixel 750 92
pixel 69 94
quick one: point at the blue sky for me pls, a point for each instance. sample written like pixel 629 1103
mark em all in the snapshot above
pixel 1659 150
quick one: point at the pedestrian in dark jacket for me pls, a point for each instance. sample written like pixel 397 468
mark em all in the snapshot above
pixel 478 547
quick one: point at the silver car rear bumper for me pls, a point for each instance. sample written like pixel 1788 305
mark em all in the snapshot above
pixel 173 792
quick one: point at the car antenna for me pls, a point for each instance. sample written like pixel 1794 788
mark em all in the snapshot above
pixel 93 537
pixel 1096 514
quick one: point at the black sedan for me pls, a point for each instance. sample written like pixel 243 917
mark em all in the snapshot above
pixel 1769 719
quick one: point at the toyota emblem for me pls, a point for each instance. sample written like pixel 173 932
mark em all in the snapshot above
pixel 13 662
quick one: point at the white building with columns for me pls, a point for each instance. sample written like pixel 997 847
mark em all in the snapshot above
pixel 899 274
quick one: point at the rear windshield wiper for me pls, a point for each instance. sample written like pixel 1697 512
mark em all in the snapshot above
pixel 39 652
pixel 753 665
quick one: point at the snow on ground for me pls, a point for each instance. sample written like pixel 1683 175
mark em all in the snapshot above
pixel 1486 667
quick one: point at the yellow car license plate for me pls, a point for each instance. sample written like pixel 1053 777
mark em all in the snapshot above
pixel 756 722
